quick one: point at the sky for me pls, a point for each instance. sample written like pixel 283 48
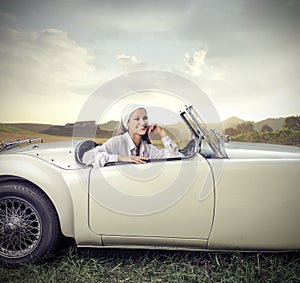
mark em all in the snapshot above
pixel 244 54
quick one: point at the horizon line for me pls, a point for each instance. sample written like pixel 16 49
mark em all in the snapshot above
pixel 65 123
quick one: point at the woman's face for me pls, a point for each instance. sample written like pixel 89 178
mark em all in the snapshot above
pixel 138 122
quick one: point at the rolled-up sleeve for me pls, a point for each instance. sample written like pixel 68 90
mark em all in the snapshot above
pixel 100 155
pixel 170 149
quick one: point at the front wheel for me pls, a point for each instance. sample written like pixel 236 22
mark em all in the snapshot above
pixel 29 227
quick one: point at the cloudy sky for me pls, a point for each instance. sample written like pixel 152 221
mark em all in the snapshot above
pixel 244 54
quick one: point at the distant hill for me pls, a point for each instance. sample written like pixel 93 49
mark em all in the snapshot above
pixel 178 132
pixel 84 132
pixel 106 130
pixel 274 123
pixel 9 128
pixel 109 126
pixel 32 127
pixel 58 131
pixel 232 122
pixel 53 130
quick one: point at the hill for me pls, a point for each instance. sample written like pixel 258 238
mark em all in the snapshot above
pixel 8 128
pixel 106 130
pixel 274 123
pixel 232 122
pixel 109 126
pixel 10 133
pixel 32 127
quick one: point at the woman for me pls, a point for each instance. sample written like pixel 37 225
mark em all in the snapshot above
pixel 133 143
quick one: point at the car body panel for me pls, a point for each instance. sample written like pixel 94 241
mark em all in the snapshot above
pixel 257 205
pixel 154 242
pixel 247 151
pixel 60 154
pixel 181 216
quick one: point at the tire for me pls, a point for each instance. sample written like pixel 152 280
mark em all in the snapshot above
pixel 29 226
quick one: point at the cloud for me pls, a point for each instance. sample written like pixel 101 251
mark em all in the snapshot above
pixel 42 62
pixel 197 65
pixel 4 16
pixel 134 16
pixel 130 63
pixel 194 63
pixel 250 47
pixel 42 72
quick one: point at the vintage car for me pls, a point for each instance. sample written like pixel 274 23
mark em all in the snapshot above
pixel 219 196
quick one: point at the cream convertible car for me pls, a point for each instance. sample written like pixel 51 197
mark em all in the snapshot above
pixel 217 197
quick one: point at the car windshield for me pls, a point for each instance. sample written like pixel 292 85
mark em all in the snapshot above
pixel 200 130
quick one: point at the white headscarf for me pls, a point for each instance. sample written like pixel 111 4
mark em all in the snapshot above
pixel 127 112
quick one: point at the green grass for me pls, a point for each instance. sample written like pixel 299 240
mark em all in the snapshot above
pixel 159 266
pixel 16 131
pixel 9 129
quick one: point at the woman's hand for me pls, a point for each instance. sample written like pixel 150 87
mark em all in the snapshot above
pixel 133 159
pixel 155 129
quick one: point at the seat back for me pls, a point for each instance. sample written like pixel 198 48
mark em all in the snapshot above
pixel 83 147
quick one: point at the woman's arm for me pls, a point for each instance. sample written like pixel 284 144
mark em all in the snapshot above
pixel 170 147
pixel 113 150
pixel 98 157
pixel 133 159
pixel 102 154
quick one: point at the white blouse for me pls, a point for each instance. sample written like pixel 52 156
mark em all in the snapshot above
pixel 123 145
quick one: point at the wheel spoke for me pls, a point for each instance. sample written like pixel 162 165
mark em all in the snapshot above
pixel 20 231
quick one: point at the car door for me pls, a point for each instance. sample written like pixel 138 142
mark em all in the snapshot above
pixel 157 199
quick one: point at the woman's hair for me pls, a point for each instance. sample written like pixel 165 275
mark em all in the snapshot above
pixel 121 130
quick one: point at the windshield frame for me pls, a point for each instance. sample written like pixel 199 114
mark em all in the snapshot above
pixel 200 131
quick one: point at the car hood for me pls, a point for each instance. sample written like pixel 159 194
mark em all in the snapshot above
pixel 244 150
pixel 61 154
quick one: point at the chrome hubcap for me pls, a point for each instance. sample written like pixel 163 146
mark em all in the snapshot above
pixel 20 227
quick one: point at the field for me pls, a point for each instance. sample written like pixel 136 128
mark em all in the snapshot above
pixel 88 265
pixel 10 134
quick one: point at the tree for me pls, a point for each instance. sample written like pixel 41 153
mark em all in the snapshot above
pixel 266 128
pixel 292 122
pixel 231 132
pixel 245 127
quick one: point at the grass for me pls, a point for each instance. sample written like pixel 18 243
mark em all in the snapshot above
pixel 10 129
pixel 9 133
pixel 11 136
pixel 143 266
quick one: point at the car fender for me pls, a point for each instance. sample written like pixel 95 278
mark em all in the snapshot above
pixel 49 178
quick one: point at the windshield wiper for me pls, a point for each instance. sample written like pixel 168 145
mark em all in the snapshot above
pixel 7 145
